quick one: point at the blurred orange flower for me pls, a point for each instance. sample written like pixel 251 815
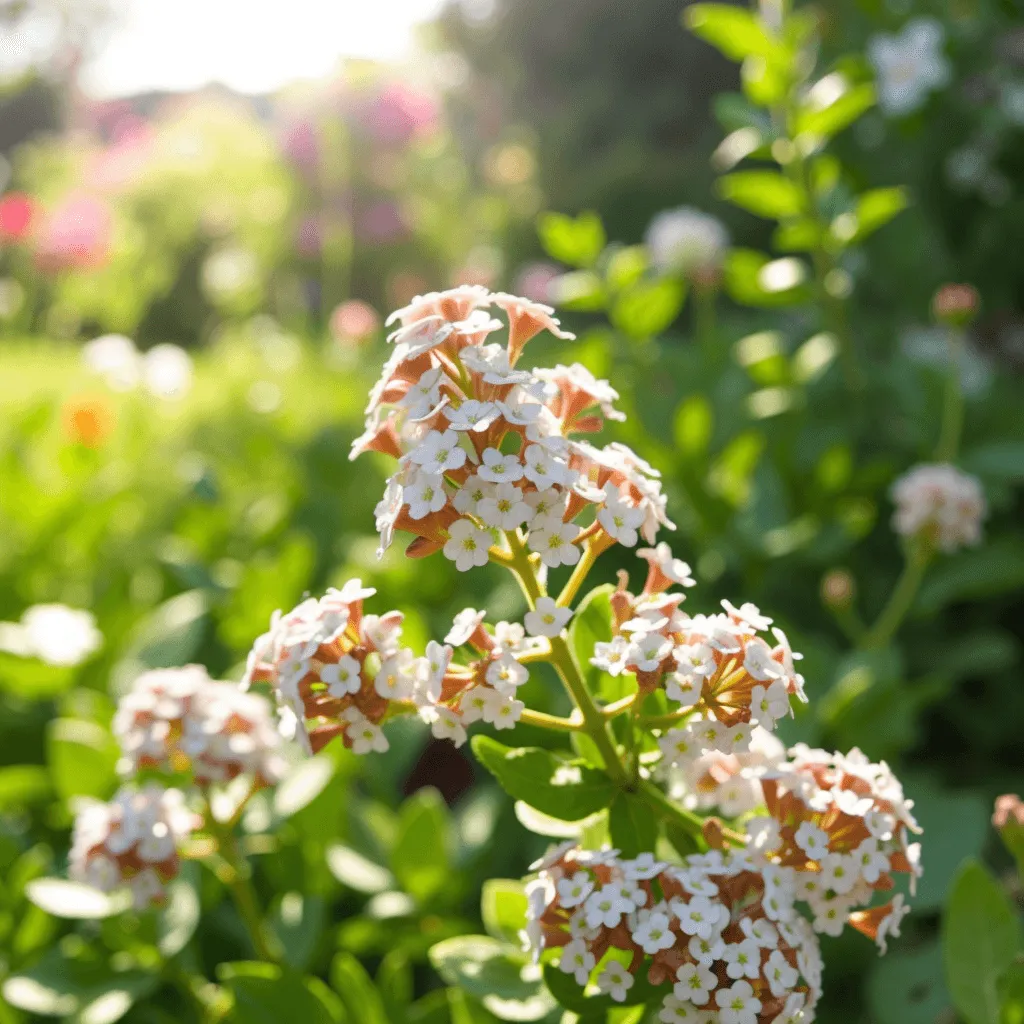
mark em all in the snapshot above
pixel 88 421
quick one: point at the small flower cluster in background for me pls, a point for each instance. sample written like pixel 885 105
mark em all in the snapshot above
pixel 173 725
pixel 165 371
pixel 52 633
pixel 940 504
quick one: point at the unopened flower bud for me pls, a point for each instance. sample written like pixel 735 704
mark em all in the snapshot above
pixel 838 589
pixel 1008 821
pixel 955 304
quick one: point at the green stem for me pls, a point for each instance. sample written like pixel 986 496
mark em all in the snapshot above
pixel 238 879
pixel 546 721
pixel 705 325
pixel 902 598
pixel 669 811
pixel 519 562
pixel 953 407
pixel 579 574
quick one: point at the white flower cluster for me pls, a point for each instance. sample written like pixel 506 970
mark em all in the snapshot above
pixel 165 370
pixel 337 671
pixel 722 677
pixel 485 447
pixel 180 720
pixel 940 503
pixel 838 830
pixel 721 929
pixel 687 241
pixel 909 65
pixel 131 841
pixel 52 633
pixel 729 782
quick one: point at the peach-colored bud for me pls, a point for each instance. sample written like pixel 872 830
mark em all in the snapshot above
pixel 838 589
pixel 714 834
pixel 955 304
pixel 1009 810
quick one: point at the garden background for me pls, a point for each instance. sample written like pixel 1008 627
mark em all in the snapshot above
pixel 183 479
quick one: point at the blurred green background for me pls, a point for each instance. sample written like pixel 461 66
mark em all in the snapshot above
pixel 184 486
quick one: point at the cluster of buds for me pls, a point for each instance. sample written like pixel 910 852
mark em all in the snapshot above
pixel 721 929
pixel 179 720
pixel 838 830
pixel 722 676
pixel 487 448
pixel 132 841
pixel 336 671
pixel 940 505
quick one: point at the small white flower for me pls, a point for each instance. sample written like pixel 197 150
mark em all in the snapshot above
pixel 871 861
pixel 469 496
pixel 738 1005
pixel 767 706
pixel 444 724
pixel 700 916
pixel 759 663
pixel 706 951
pixel 549 502
pixel 464 626
pixel 743 959
pixel 424 395
pixel 605 907
pixel 396 679
pixel 839 872
pixel 615 980
pixel 781 975
pixel 909 65
pixel 681 1011
pixel 812 840
pixel 506 674
pixel 686 689
pixel 553 541
pixel 439 452
pixel 500 710
pixel 620 519
pixel 426 494
pixel 342 677
pixel 673 569
pixel 467 545
pixel 573 891
pixel 889 927
pixel 647 652
pixel 686 241
pixel 547 619
pixel 611 657
pixel 542 468
pixel 748 615
pixel 366 737
pixel 654 933
pixel 695 983
pixel 53 633
pixel 472 415
pixel 504 509
pixel 577 960
pixel 167 371
pixel 497 468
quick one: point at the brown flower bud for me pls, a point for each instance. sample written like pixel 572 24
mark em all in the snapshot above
pixel 955 304
pixel 838 589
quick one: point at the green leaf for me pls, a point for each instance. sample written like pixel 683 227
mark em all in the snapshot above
pixel 694 422
pixel 420 858
pixel 302 785
pixel 32 679
pixel 752 279
pixel 298 921
pixel 267 994
pixel 980 939
pixel 361 999
pixel 581 291
pixel 555 786
pixel 908 987
pixel 1001 460
pixel 765 193
pixel 797 236
pixel 572 996
pixel 872 211
pixel 357 872
pixel 495 973
pixel 626 266
pixel 632 825
pixel 577 241
pixel 395 983
pixel 733 31
pixel 83 758
pixel 648 308
pixel 1012 992
pixel 179 917
pixel 22 785
pixel 503 908
pixel 64 898
pixel 833 105
pixel 995 568
pixel 172 633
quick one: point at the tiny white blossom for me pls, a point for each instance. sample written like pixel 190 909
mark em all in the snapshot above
pixel 467 545
pixel 426 494
pixel 504 509
pixel 577 960
pixel 472 415
pixel 615 980
pixel 812 840
pixel 575 890
pixel 342 677
pixel 742 959
pixel 553 541
pixel 619 517
pixel 506 674
pixel 498 468
pixel 654 933
pixel 547 619
pixel 738 1005
pixel 695 983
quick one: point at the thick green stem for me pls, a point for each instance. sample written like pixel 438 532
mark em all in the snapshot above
pixel 590 555
pixel 705 326
pixel 902 598
pixel 545 721
pixel 669 811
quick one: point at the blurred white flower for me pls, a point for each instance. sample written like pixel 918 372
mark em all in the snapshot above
pixel 53 633
pixel 229 272
pixel 909 65
pixel 115 358
pixel 687 241
pixel 167 371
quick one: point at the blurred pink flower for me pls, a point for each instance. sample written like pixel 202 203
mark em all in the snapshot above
pixel 17 211
pixel 123 161
pixel 399 113
pixel 354 321
pixel 381 223
pixel 75 235
pixel 308 238
pixel 300 143
pixel 534 281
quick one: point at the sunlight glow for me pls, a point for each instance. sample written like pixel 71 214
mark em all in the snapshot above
pixel 249 45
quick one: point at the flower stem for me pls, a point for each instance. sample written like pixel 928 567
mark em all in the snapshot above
pixel 900 601
pixel 669 811
pixel 705 327
pixel 590 555
pixel 237 877
pixel 545 721
pixel 953 407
